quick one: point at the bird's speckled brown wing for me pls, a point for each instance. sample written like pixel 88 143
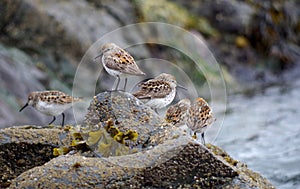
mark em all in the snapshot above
pixel 58 97
pixel 173 114
pixel 200 115
pixel 120 60
pixel 177 114
pixel 153 89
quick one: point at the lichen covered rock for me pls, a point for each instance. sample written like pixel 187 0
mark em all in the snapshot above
pixel 117 123
pixel 22 148
pixel 134 148
pixel 76 172
pixel 181 162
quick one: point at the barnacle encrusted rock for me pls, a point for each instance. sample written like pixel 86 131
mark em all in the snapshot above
pixel 25 147
pixel 174 163
pixel 127 154
pixel 117 123
pixel 180 162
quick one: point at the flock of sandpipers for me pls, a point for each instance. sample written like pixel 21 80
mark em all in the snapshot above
pixel 158 93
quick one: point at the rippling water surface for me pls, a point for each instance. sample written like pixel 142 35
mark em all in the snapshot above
pixel 264 132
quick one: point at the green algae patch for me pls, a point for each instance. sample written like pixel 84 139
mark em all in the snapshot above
pixel 172 13
pixel 76 142
pixel 110 141
pixel 119 136
pixel 179 163
pixel 60 151
pixel 105 145
pixel 95 136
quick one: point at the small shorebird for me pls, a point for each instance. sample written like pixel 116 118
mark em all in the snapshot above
pixel 200 117
pixel 118 63
pixel 177 114
pixel 50 103
pixel 160 91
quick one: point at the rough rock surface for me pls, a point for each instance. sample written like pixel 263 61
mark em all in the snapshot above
pixel 179 162
pixel 25 147
pixel 125 112
pixel 169 156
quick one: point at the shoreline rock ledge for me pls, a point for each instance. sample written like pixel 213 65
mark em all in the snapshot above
pixel 169 159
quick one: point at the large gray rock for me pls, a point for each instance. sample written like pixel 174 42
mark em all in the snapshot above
pixel 25 147
pixel 161 156
pixel 179 162
pixel 125 114
pixel 18 77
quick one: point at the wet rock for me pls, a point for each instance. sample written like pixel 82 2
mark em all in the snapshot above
pixel 25 147
pixel 58 33
pixel 117 114
pixel 55 35
pixel 163 11
pixel 122 10
pixel 64 27
pixel 247 178
pixel 18 78
pixel 166 156
pixel 189 164
pixel 78 172
pixel 270 32
pixel 181 162
pixel 226 15
pixel 277 33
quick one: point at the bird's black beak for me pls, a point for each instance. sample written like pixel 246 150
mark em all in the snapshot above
pixel 23 107
pixel 98 56
pixel 182 87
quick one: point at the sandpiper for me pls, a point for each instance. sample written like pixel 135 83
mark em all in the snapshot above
pixel 118 63
pixel 200 117
pixel 177 114
pixel 160 91
pixel 52 103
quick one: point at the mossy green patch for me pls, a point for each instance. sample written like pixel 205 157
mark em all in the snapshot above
pixel 107 141
pixel 76 142
pixel 172 13
pixel 60 151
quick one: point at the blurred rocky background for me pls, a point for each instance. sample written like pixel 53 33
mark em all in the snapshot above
pixel 255 42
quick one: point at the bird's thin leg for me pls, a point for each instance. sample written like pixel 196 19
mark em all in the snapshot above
pixel 125 84
pixel 63 120
pixel 118 81
pixel 52 120
pixel 202 137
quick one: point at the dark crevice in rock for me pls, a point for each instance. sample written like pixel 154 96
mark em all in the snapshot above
pixel 17 158
pixel 200 168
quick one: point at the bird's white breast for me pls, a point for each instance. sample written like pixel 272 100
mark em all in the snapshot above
pixel 52 109
pixel 161 102
pixel 111 71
